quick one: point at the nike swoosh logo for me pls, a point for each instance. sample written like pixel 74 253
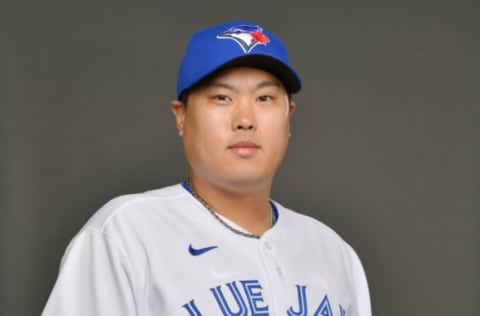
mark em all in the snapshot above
pixel 199 251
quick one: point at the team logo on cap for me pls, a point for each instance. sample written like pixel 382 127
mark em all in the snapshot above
pixel 246 36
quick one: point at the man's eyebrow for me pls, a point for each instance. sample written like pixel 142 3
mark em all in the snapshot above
pixel 268 83
pixel 218 84
pixel 260 85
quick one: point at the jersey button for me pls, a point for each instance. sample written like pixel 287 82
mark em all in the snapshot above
pixel 268 245
pixel 279 271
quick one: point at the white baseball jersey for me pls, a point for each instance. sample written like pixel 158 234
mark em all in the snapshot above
pixel 162 253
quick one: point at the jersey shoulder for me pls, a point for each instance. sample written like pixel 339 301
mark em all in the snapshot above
pixel 299 224
pixel 124 206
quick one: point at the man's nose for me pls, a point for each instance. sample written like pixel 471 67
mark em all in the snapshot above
pixel 244 117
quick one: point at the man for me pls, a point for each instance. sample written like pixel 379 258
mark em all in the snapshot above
pixel 216 244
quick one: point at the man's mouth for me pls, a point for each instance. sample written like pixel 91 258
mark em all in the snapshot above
pixel 244 148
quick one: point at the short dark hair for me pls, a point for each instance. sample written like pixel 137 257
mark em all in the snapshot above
pixel 184 97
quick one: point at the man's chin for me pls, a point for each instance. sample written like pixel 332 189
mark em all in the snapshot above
pixel 249 181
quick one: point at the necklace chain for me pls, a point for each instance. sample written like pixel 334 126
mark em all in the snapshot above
pixel 219 219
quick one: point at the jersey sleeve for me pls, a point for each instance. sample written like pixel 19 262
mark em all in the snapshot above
pixel 362 305
pixel 93 279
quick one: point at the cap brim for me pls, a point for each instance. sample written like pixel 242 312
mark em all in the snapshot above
pixel 284 73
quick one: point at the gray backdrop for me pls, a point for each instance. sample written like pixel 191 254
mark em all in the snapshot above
pixel 385 145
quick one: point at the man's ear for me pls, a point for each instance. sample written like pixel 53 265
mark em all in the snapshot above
pixel 291 108
pixel 178 109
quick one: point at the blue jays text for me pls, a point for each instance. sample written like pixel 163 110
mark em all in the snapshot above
pixel 248 300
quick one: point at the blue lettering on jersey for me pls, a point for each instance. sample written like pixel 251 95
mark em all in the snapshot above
pixel 324 308
pixel 233 302
pixel 302 302
pixel 253 289
pixel 223 304
pixel 192 309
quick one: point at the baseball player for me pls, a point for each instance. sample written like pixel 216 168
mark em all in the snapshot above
pixel 216 244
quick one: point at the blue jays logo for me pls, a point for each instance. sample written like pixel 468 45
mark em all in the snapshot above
pixel 246 36
pixel 251 302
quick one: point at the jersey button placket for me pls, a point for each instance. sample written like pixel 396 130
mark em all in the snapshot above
pixel 273 273
pixel 270 256
pixel 279 271
pixel 268 246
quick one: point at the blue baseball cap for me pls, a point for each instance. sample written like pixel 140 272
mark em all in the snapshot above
pixel 235 44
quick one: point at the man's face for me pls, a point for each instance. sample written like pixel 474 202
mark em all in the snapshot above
pixel 235 127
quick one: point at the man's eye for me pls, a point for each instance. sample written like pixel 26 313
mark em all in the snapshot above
pixel 221 97
pixel 264 98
